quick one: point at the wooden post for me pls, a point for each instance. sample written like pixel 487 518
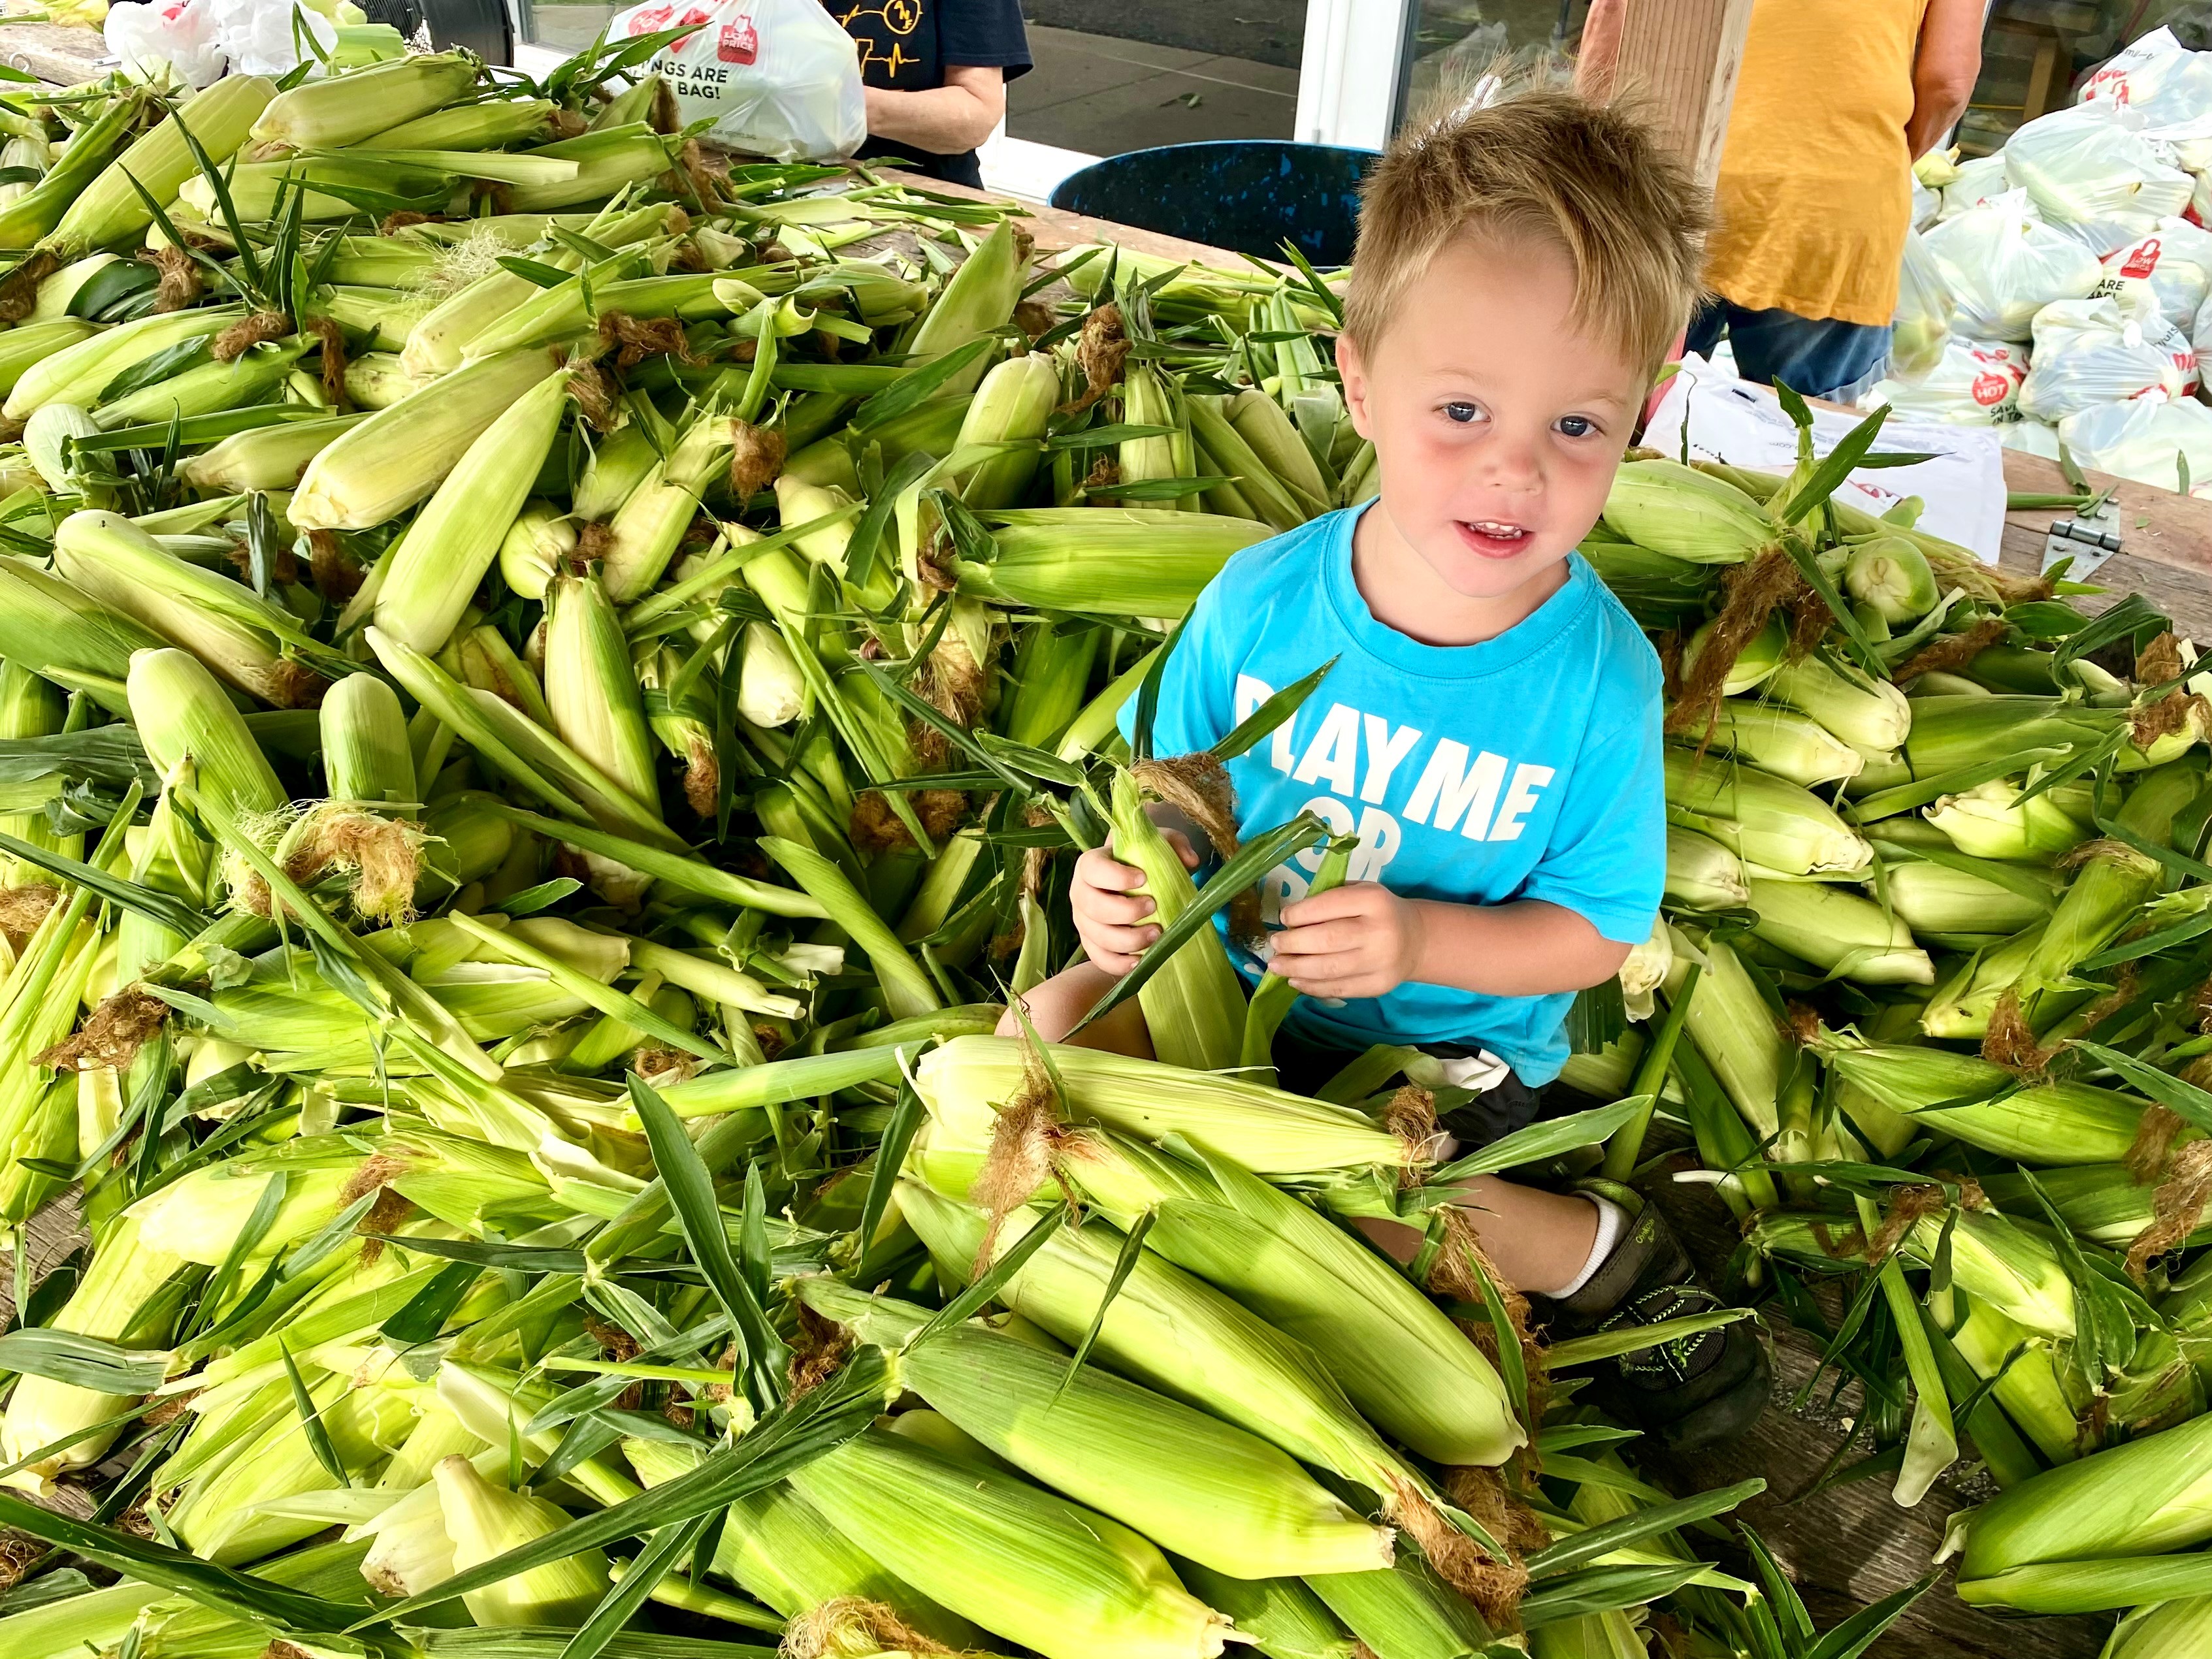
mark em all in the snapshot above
pixel 1681 57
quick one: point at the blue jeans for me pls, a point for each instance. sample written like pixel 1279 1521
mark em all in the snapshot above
pixel 1817 356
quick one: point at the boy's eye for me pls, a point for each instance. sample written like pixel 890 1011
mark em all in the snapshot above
pixel 1461 412
pixel 1576 426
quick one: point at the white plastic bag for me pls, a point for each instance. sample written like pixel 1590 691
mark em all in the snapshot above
pixel 2032 437
pixel 1975 383
pixel 2003 267
pixel 1972 184
pixel 178 36
pixel 2158 76
pixel 2148 439
pixel 2091 165
pixel 258 35
pixel 2168 272
pixel 2089 352
pixel 778 78
pixel 1926 204
pixel 1922 327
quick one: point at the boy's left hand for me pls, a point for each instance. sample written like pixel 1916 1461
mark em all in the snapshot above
pixel 1357 940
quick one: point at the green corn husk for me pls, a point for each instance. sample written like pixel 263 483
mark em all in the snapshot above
pixel 1168 1329
pixel 348 109
pixel 366 755
pixel 1105 561
pixel 79 374
pixel 1890 575
pixel 115 562
pixel 98 1619
pixel 1943 898
pixel 32 342
pixel 402 454
pixel 2114 883
pixel 265 458
pixel 2149 1496
pixel 1012 406
pixel 778 1548
pixel 1284 1618
pixel 1193 1006
pixel 649 525
pixel 1703 875
pixel 1190 1482
pixel 2028 1384
pixel 31 707
pixel 1839 932
pixel 1406 1367
pixel 33 215
pixel 965 1082
pixel 535 545
pixel 1677 510
pixel 494 123
pixel 619 462
pixel 1763 819
pixel 979 297
pixel 125 1276
pixel 1408 1612
pixel 1872 716
pixel 112 212
pixel 1733 1026
pixel 484 1522
pixel 1032 1567
pixel 1963 1005
pixel 1952 1094
pixel 1998 1264
pixel 771 691
pixel 1753 666
pixel 2100 1202
pixel 2169 1629
pixel 204 390
pixel 181 713
pixel 606 163
pixel 1781 741
pixel 598 707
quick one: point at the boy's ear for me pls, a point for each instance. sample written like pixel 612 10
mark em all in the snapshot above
pixel 1352 370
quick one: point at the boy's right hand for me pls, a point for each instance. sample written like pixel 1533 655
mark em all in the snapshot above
pixel 1111 910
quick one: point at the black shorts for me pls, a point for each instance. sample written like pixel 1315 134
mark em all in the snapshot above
pixel 1302 1066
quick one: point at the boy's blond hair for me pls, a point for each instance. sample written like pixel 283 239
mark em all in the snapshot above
pixel 1543 163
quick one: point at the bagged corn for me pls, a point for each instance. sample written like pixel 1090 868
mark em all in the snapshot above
pixel 2091 165
pixel 2151 440
pixel 2168 272
pixel 1973 383
pixel 2002 267
pixel 2089 352
pixel 1922 327
pixel 1974 184
pixel 2157 76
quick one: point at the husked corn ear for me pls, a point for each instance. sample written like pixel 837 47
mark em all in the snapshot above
pixel 365 753
pixel 1676 509
pixel 1192 1483
pixel 112 213
pixel 401 454
pixel 1013 405
pixel 181 714
pixel 347 109
pixel 1838 932
pixel 598 708
pixel 1032 1567
pixel 436 569
pixel 485 1522
pixel 46 438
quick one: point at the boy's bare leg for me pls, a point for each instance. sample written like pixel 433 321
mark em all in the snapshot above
pixel 1540 1241
pixel 1056 1005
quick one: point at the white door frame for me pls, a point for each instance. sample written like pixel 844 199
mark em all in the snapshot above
pixel 1352 70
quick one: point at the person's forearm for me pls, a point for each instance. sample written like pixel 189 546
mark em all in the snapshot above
pixel 1525 949
pixel 943 120
pixel 1936 110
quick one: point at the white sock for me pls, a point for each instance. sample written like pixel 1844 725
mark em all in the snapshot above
pixel 1612 1222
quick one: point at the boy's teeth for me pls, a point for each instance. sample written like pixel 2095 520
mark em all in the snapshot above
pixel 1489 528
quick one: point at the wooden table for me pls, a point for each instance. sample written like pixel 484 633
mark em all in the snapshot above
pixel 54 52
pixel 2166 541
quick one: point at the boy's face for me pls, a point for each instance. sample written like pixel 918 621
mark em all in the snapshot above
pixel 1498 424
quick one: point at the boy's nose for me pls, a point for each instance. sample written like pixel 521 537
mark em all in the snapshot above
pixel 1512 465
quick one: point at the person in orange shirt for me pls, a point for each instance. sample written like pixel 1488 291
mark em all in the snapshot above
pixel 1835 101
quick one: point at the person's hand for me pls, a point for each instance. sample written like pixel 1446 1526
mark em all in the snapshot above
pixel 1110 912
pixel 1357 940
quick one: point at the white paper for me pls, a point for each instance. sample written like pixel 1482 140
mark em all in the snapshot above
pixel 1732 421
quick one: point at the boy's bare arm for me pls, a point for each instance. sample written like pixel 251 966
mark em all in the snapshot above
pixel 1362 940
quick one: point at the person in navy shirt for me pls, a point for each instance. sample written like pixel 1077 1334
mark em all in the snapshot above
pixel 1490 729
pixel 936 74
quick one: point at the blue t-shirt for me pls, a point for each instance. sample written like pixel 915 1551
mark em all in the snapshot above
pixel 1526 766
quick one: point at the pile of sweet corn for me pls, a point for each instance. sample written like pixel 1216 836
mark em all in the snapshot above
pixel 548 683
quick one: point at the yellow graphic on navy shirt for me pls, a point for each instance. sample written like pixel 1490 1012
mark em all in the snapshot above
pixel 881 30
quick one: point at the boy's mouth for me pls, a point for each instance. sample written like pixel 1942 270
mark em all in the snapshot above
pixel 1493 538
